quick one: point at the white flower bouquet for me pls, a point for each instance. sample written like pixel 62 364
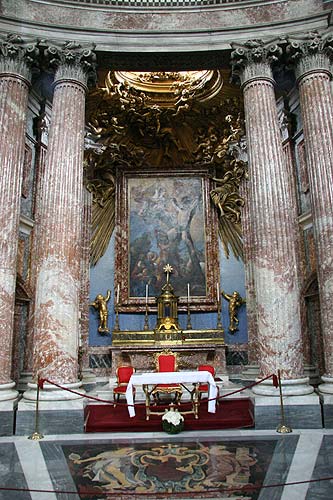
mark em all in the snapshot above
pixel 172 421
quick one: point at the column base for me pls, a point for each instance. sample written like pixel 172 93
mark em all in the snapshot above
pixel 327 386
pixel 300 412
pixel 292 387
pixel 7 417
pixel 53 393
pixel 54 417
pixel 8 392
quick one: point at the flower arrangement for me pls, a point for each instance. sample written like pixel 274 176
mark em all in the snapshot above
pixel 172 421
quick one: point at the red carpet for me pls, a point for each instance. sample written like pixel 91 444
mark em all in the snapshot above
pixel 230 414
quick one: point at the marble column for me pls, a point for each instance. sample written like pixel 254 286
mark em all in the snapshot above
pixel 312 56
pixel 57 300
pixel 16 59
pixel 273 224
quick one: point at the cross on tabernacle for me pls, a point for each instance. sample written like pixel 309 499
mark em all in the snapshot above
pixel 168 270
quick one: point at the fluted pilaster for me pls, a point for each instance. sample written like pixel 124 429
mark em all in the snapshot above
pixel 313 57
pixel 272 220
pixel 14 87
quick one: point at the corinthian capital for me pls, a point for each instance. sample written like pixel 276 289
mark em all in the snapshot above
pixel 311 52
pixel 71 61
pixel 18 56
pixel 254 59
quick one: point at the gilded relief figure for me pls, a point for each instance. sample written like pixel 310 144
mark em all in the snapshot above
pixel 235 301
pixel 100 303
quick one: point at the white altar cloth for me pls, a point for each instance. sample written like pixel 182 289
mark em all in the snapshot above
pixel 154 378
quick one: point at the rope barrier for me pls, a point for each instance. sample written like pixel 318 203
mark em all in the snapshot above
pixel 193 494
pixel 42 381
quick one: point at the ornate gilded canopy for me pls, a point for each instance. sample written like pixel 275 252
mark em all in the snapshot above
pixel 165 121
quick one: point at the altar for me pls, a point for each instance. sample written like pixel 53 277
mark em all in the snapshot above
pixel 194 347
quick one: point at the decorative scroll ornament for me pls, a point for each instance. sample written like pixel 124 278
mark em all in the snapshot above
pixel 254 58
pixel 18 56
pixel 310 52
pixel 72 61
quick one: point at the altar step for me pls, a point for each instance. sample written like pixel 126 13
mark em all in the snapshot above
pixel 230 414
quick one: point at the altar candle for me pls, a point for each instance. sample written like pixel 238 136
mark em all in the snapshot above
pixel 218 292
pixel 118 293
pixel 188 292
pixel 147 293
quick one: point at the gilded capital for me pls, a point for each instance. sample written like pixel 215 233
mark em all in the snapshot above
pixel 18 56
pixel 254 60
pixel 310 53
pixel 71 61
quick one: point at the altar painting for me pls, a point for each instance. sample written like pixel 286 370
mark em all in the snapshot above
pixel 166 226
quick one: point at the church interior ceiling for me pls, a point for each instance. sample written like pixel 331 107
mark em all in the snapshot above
pixel 165 121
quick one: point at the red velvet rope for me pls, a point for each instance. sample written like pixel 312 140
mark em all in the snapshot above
pixel 41 382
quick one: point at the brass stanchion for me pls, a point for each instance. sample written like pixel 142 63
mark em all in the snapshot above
pixel 282 428
pixel 36 436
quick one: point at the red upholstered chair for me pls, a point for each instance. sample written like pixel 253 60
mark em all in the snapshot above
pixel 204 388
pixel 167 361
pixel 123 374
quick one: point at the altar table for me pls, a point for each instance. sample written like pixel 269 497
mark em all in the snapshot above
pixel 182 377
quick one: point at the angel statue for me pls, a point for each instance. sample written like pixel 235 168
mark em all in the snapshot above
pixel 100 303
pixel 235 301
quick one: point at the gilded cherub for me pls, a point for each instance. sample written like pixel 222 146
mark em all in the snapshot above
pixel 100 303
pixel 235 301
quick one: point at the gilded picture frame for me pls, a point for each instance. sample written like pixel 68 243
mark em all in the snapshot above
pixel 165 219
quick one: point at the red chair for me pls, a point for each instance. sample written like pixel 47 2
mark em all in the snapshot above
pixel 204 388
pixel 123 374
pixel 167 361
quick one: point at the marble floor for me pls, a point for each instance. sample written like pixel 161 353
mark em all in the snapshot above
pixel 242 464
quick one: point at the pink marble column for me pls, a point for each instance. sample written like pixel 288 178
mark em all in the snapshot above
pixel 57 301
pixel 15 58
pixel 313 57
pixel 274 226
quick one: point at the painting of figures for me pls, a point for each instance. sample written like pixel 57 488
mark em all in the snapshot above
pixel 166 226
pixel 161 219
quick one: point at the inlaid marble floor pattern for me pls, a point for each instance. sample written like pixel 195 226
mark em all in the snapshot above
pixel 245 464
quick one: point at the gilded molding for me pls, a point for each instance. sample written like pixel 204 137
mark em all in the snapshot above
pixel 310 53
pixel 72 62
pixel 17 57
pixel 253 60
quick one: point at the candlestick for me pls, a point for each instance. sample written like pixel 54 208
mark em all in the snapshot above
pixel 116 322
pixel 189 324
pixel 146 325
pixel 219 322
